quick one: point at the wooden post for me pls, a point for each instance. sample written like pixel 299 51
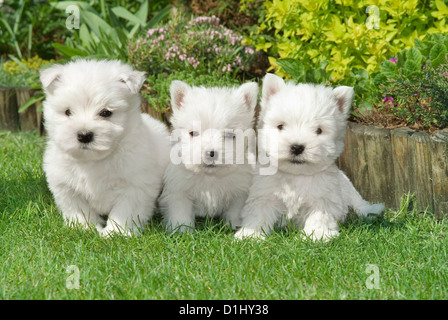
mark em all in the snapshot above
pixel 29 119
pixel 403 163
pixel 378 152
pixel 421 147
pixel 353 161
pixel 386 164
pixel 146 108
pixel 9 116
pixel 439 153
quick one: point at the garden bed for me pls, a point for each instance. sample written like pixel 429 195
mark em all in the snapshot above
pixel 385 163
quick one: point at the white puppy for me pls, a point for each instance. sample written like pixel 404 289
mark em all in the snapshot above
pixel 302 129
pixel 103 158
pixel 210 174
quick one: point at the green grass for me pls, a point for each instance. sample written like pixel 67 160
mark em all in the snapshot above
pixel 408 251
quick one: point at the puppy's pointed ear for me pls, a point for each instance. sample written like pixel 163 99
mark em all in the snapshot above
pixel 133 80
pixel 49 77
pixel 344 98
pixel 271 85
pixel 250 93
pixel 178 89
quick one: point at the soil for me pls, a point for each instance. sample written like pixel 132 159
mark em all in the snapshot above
pixel 383 117
pixel 231 16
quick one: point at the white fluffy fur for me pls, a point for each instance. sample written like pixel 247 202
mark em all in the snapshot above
pixel 119 174
pixel 307 188
pixel 196 189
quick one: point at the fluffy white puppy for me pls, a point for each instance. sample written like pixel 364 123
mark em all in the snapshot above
pixel 210 174
pixel 302 129
pixel 104 158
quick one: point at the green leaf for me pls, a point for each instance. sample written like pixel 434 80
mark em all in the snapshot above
pixel 293 67
pixel 125 14
pixel 68 51
pixel 437 55
pixel 85 36
pixel 133 31
pixel 413 55
pixel 95 22
pixel 114 21
pixel 411 68
pixel 379 79
pixel 438 37
pixel 422 46
pixel 31 101
pixel 413 64
pixel 389 69
pixel 142 12
pixel 158 17
pixel 62 5
pixel 13 36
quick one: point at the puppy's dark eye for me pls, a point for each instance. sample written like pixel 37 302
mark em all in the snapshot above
pixel 105 113
pixel 318 131
pixel 229 135
pixel 68 113
pixel 194 133
pixel 280 126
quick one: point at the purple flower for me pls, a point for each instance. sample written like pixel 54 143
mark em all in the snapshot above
pixel 389 99
pixel 394 60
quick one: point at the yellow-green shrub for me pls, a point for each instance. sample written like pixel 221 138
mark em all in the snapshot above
pixel 25 65
pixel 335 31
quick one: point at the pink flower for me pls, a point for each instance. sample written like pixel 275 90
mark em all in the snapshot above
pixel 249 50
pixel 394 60
pixel 389 99
pixel 227 68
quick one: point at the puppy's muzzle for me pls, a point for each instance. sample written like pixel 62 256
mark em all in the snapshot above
pixel 297 149
pixel 85 137
pixel 210 157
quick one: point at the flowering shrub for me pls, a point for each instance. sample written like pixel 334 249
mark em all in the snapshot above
pixel 337 33
pixel 23 72
pixel 201 45
pixel 413 85
pixel 14 67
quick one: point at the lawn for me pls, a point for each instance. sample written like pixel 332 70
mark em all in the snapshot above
pixel 402 255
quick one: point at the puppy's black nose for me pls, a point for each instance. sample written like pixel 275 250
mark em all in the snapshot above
pixel 297 149
pixel 211 154
pixel 85 137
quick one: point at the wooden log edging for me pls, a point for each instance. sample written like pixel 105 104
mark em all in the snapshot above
pixel 31 118
pixel 9 116
pixel 11 99
pixel 384 164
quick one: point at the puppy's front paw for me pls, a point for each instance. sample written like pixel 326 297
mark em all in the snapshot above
pixel 113 229
pixel 371 209
pixel 73 221
pixel 245 233
pixel 320 234
pixel 170 228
